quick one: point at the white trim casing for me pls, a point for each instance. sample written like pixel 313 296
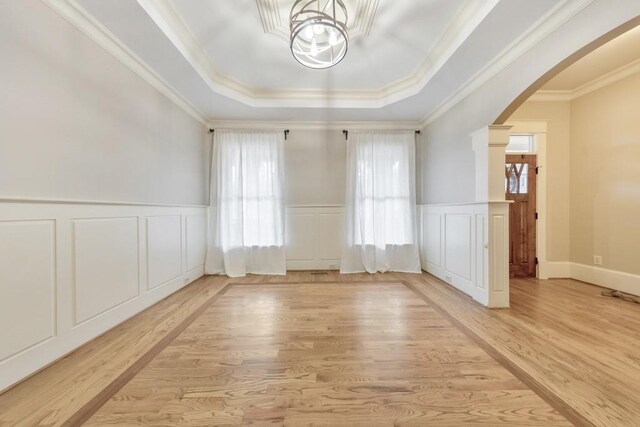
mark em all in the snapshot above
pixel 538 128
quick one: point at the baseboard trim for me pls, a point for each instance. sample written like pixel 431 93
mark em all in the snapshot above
pixel 612 279
pixel 554 270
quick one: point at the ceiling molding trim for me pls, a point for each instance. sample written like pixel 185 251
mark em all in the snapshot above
pixel 315 125
pixel 585 89
pixel 550 22
pixel 89 26
pixel 551 96
pixel 170 23
pixel 528 126
pixel 269 15
pixel 467 19
pixel 366 13
pixel 273 22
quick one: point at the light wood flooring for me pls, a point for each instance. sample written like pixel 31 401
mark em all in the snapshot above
pixel 354 350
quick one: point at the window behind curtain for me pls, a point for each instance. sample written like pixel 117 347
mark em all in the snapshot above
pixel 261 204
pixel 380 208
pixel 250 205
pixel 247 219
pixel 385 215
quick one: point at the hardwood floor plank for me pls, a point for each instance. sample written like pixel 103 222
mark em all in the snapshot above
pixel 351 372
pixel 549 334
pixel 311 353
pixel 53 395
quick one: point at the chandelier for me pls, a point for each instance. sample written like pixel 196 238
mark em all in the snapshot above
pixel 319 37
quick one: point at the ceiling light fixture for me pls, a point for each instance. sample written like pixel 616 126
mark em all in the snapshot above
pixel 319 37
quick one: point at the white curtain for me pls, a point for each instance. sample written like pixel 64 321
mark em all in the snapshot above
pixel 381 232
pixel 246 224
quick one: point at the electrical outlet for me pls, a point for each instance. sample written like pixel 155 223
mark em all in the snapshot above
pixel 448 279
pixel 597 260
pixel 186 280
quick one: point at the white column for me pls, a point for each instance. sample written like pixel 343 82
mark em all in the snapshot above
pixel 489 145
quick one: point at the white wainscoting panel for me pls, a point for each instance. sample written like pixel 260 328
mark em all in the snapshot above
pixel 432 247
pixel 70 270
pixel 455 246
pixel 196 235
pixel 458 244
pixel 314 237
pixel 106 265
pixel 164 250
pixel 27 284
pixel 300 237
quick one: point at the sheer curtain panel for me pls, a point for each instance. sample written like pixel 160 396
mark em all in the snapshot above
pixel 246 224
pixel 380 210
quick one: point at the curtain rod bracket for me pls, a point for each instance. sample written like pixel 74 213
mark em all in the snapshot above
pixel 286 134
pixel 212 130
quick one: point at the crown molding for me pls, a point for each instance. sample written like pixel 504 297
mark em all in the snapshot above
pixel 550 22
pixel 464 23
pixel 271 15
pixel 170 23
pixel 595 84
pixel 314 125
pixel 172 26
pixel 83 21
pixel 551 96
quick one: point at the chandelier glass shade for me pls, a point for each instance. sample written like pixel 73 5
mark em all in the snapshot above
pixel 319 37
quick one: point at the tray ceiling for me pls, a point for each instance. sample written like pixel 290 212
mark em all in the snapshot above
pixel 397 47
pixel 230 60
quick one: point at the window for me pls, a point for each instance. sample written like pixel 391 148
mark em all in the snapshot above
pixel 521 144
pixel 249 182
pixel 516 178
pixel 385 209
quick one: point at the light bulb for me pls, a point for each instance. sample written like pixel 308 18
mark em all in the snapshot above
pixel 314 48
pixel 309 32
pixel 318 29
pixel 333 38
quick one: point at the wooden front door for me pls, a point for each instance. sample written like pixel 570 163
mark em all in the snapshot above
pixel 520 184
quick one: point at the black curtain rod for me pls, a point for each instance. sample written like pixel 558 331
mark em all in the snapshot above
pixel 346 133
pixel 286 133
